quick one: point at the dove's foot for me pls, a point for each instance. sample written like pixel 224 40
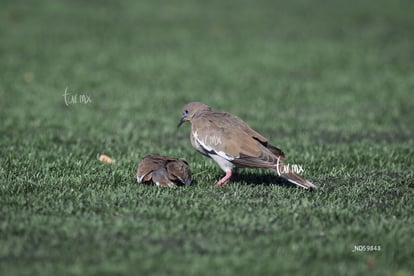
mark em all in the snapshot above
pixel 225 178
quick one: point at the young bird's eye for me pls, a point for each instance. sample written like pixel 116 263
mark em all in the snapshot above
pixel 185 112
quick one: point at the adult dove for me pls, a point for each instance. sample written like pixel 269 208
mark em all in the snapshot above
pixel 163 170
pixel 231 143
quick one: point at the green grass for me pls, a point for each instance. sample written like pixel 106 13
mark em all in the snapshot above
pixel 330 82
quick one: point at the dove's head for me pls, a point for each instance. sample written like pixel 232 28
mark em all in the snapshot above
pixel 191 109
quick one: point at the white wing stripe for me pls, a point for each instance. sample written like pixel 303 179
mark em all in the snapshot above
pixel 209 149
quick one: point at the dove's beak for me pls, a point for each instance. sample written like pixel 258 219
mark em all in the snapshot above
pixel 182 120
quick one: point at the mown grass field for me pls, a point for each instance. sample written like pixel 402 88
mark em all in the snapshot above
pixel 330 82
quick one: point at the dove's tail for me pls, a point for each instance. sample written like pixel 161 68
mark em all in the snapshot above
pixel 293 177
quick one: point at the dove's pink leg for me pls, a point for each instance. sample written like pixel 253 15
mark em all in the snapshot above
pixel 225 178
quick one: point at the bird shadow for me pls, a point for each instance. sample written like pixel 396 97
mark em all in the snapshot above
pixel 256 179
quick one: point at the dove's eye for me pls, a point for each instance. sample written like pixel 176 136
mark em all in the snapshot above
pixel 185 112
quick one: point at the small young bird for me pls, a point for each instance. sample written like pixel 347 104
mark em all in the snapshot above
pixel 231 143
pixel 163 170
